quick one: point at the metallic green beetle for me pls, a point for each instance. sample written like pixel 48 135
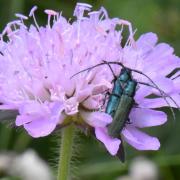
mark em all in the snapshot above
pixel 121 100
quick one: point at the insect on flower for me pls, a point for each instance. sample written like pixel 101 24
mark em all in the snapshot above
pixel 121 99
pixel 37 63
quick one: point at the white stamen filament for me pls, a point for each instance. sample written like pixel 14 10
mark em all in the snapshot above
pixel 131 36
pixel 85 5
pixel 50 13
pixel 31 14
pixel 22 17
pixel 103 10
pixel 78 31
pixel 32 11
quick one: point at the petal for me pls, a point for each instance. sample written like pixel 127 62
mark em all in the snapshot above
pixel 56 109
pixel 42 123
pixel 176 75
pixel 37 89
pixel 142 92
pixel 171 63
pixel 93 102
pixel 111 144
pixel 23 119
pixel 176 82
pixel 161 57
pixel 33 108
pixel 160 102
pixel 147 41
pixel 40 127
pixel 161 51
pixel 8 106
pixel 101 86
pixel 147 117
pixel 140 140
pixel 83 93
pixel 96 119
pixel 164 84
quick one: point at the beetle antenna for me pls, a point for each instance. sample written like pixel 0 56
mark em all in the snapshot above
pixel 92 67
pixel 176 77
pixel 163 94
pixel 155 85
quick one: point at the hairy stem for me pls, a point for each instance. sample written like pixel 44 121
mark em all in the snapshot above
pixel 65 152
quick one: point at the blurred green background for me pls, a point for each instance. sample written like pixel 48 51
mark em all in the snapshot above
pixel 159 16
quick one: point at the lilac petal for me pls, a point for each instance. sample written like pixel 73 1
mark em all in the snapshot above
pixel 176 75
pixel 56 108
pixel 83 94
pixel 23 119
pixel 140 140
pixel 161 51
pixel 93 102
pixel 39 123
pixel 147 41
pixel 142 92
pixel 8 106
pixel 37 89
pixel 164 53
pixel 171 62
pixel 164 84
pixel 40 127
pixel 96 119
pixel 176 81
pixel 147 117
pixel 101 86
pixel 32 108
pixel 111 144
pixel 160 102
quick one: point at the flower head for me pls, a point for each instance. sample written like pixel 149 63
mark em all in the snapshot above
pixel 37 64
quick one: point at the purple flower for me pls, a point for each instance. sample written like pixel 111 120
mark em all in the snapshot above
pixel 37 63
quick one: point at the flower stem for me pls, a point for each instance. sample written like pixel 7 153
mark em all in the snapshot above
pixel 65 152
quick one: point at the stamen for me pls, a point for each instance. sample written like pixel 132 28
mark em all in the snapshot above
pixel 32 11
pixel 14 22
pixel 129 39
pixel 17 22
pixel 79 13
pixel 21 16
pixel 11 33
pixel 131 36
pixel 85 5
pixel 6 30
pixel 24 93
pixel 21 25
pixel 94 15
pixel 103 10
pixel 31 14
pixel 50 13
pixel 80 8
